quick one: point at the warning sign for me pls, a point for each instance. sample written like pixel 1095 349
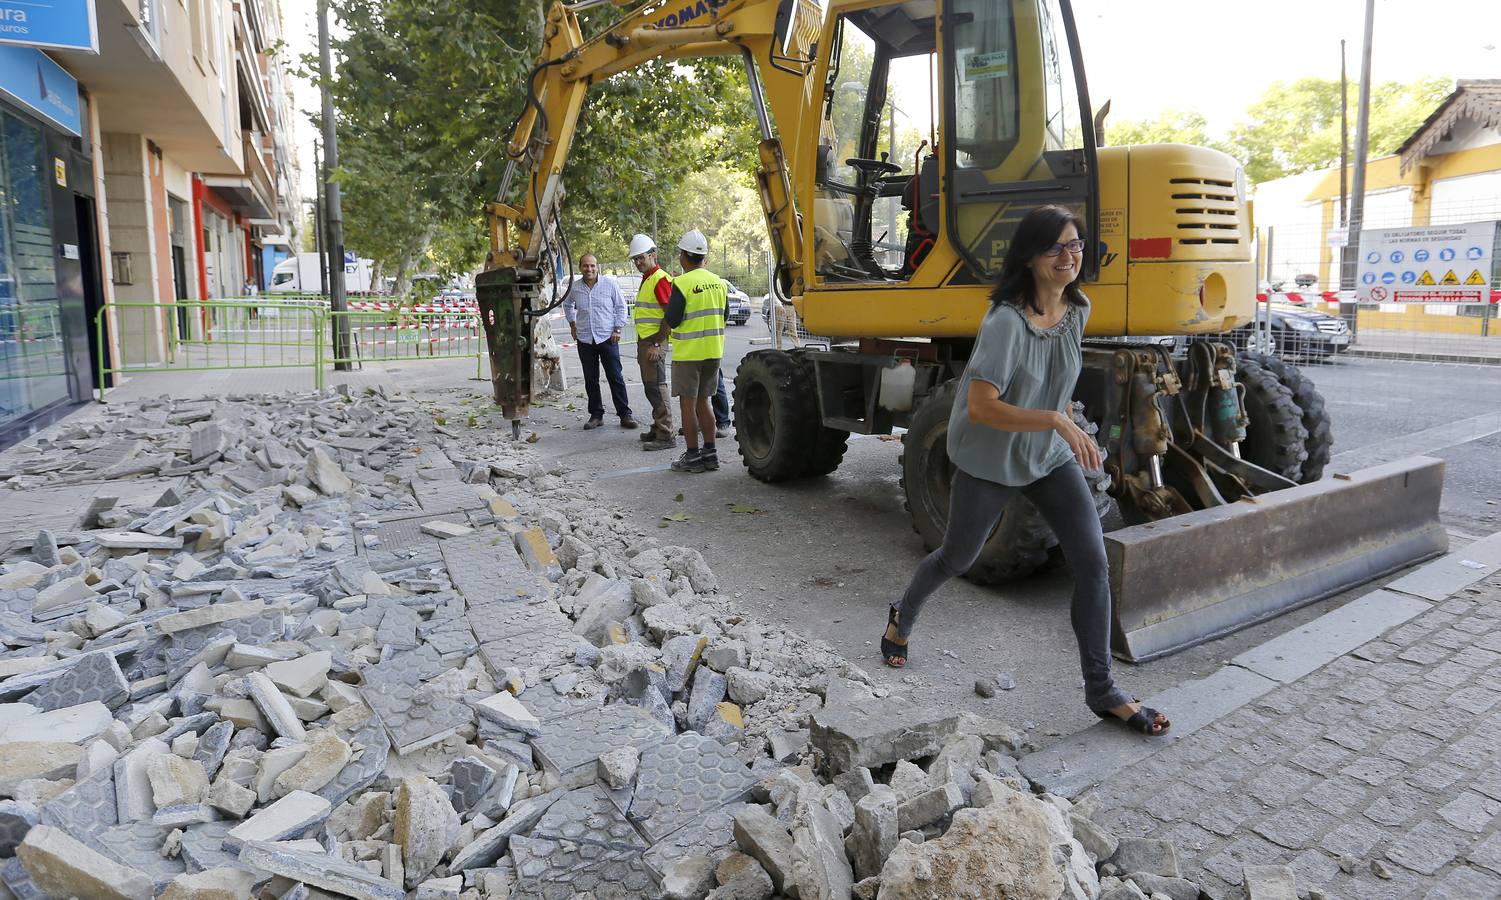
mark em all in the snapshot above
pixel 1384 251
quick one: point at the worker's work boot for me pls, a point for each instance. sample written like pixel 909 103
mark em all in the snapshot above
pixel 710 459
pixel 660 444
pixel 690 461
pixel 721 431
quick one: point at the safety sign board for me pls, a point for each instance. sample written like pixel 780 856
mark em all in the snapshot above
pixel 1427 264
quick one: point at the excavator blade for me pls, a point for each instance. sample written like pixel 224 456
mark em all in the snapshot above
pixel 1198 576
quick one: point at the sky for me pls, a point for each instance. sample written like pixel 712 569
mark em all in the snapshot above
pixel 1210 56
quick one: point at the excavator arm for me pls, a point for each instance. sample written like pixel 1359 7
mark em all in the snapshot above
pixel 775 40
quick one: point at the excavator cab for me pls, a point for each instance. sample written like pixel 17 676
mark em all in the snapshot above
pixel 941 125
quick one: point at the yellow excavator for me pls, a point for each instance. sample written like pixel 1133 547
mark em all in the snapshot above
pixel 901 142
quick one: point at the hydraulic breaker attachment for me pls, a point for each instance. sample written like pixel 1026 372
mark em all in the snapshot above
pixel 505 306
pixel 1189 579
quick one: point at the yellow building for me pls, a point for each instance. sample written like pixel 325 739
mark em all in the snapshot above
pixel 1448 171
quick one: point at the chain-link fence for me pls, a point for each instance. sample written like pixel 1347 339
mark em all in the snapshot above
pixel 1396 379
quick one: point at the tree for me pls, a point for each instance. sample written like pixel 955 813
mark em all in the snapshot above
pixel 723 204
pixel 1169 127
pixel 426 93
pixel 1294 127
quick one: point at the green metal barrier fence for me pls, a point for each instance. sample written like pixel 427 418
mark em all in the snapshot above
pixel 279 331
pixel 408 333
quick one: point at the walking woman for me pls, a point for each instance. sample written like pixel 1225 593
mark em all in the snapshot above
pixel 1009 432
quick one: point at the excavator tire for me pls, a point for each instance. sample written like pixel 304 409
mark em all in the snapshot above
pixel 776 419
pixel 1275 436
pixel 1019 545
pixel 826 450
pixel 1320 440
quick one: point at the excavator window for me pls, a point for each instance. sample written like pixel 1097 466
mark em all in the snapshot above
pixel 1016 133
pixel 879 125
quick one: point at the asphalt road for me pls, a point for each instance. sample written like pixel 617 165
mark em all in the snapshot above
pixel 826 556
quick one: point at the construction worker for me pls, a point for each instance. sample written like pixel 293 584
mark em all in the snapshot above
pixel 596 312
pixel 695 319
pixel 651 305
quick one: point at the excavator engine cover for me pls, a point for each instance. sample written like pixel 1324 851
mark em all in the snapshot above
pixel 1194 577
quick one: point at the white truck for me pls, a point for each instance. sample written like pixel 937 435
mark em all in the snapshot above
pixel 303 273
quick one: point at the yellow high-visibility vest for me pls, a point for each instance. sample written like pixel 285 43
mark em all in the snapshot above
pixel 648 313
pixel 700 335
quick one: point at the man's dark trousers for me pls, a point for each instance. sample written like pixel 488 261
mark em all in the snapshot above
pixel 591 355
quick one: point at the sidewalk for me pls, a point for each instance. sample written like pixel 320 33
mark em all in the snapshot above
pixel 1360 749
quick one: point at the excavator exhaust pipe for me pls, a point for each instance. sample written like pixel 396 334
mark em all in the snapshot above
pixel 1189 579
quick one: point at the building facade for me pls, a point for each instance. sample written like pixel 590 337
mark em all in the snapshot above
pixel 1447 172
pixel 178 181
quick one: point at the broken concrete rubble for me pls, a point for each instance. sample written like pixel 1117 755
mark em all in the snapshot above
pixel 337 646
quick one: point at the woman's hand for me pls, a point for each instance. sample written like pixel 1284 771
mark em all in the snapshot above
pixel 1083 445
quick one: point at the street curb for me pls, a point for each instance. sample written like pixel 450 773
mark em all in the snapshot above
pixel 1089 757
pixel 1453 358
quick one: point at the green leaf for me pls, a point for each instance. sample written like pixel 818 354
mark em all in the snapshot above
pixel 742 508
pixel 676 517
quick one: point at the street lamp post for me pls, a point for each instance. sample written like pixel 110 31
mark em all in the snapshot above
pixel 338 302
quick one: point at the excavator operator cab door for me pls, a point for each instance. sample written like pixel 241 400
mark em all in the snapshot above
pixel 1017 133
pixel 878 125
pixel 942 123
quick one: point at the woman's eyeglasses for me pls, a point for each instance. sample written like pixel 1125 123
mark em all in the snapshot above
pixel 1074 246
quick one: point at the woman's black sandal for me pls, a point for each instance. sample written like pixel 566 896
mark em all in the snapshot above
pixel 1143 721
pixel 891 649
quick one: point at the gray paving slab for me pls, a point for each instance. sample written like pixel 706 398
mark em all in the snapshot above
pixel 446 496
pixel 683 777
pixel 202 846
pixel 259 629
pixel 469 779
pixel 321 870
pixel 506 619
pixel 360 773
pixel 1451 573
pixel 484 566
pixel 588 815
pixel 569 743
pixel 534 648
pixel 558 870
pixel 1080 761
pixel 547 704
pixel 139 846
pixel 398 628
pixel 711 834
pixel 402 543
pixel 88 806
pixel 416 715
pixel 1292 655
pixel 96 677
pixel 410 667
pixel 453 637
pixel 18 880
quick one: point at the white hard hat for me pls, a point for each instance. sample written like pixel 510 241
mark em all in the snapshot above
pixel 641 244
pixel 694 242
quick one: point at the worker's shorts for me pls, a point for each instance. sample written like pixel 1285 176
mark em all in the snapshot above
pixel 697 378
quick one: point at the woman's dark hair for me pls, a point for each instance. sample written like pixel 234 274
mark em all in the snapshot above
pixel 1037 231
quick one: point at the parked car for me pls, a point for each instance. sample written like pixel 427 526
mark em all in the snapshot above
pixel 1296 333
pixel 740 307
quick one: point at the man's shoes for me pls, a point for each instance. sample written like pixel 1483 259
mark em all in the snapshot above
pixel 710 461
pixel 593 423
pixel 648 435
pixel 690 461
pixel 721 431
pixel 628 422
pixel 661 444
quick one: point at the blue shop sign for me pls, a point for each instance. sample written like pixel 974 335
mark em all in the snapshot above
pixel 28 77
pixel 60 24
